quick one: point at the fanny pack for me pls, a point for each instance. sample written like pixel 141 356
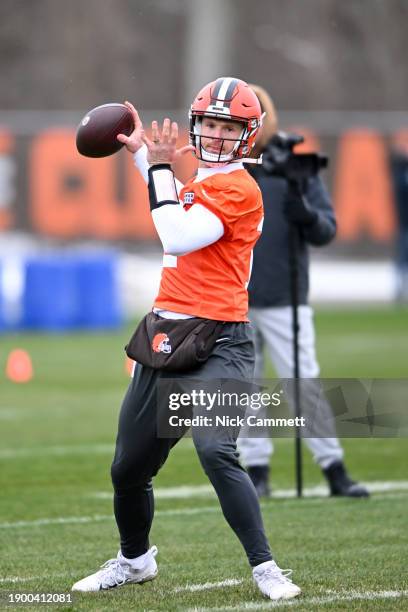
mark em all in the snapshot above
pixel 173 344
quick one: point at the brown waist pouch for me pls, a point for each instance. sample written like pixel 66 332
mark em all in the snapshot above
pixel 173 344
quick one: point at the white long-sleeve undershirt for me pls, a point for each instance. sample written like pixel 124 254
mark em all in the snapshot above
pixel 181 231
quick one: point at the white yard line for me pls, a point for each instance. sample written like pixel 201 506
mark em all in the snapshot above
pixel 74 449
pixel 193 588
pixel 93 449
pixel 8 414
pixel 61 520
pixel 184 492
pixel 66 520
pixel 16 579
pixel 310 601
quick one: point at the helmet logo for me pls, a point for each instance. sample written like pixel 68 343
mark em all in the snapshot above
pixel 219 110
pixel 161 343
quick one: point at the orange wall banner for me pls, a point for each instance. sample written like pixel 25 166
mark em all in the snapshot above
pixel 73 196
pixel 362 189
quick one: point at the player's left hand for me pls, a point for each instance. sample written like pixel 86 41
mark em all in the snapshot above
pixel 162 147
pixel 296 207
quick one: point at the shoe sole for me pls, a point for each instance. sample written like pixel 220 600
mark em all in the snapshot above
pixel 289 596
pixel 142 581
pixel 147 579
pixel 286 596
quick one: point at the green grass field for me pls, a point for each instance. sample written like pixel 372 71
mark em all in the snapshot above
pixel 56 525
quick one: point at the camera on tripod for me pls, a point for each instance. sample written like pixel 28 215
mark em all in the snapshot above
pixel 280 160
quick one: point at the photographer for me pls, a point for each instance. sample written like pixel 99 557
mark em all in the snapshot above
pixel 305 204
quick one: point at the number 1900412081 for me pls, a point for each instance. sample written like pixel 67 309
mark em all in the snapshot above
pixel 40 598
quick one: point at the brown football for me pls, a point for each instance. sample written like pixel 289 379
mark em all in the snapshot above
pixel 97 132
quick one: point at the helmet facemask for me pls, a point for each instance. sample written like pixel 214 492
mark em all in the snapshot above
pixel 241 148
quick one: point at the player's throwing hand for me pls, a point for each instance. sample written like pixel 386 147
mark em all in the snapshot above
pixel 162 147
pixel 135 141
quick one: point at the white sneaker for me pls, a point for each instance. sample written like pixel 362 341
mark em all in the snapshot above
pixel 273 582
pixel 119 571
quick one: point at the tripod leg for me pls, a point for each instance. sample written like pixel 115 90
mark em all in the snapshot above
pixel 293 261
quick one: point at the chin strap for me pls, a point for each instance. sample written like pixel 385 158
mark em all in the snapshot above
pixel 250 160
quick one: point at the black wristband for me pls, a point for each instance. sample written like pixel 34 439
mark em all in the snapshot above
pixel 161 186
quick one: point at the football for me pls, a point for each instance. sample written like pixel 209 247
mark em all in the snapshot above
pixel 97 132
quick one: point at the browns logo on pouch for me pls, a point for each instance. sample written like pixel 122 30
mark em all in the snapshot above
pixel 161 343
pixel 192 341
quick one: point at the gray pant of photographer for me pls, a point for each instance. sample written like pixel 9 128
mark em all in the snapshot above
pixel 273 330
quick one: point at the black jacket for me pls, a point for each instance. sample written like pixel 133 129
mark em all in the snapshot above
pixel 399 169
pixel 270 278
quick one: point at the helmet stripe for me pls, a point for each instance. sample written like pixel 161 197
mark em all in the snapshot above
pixel 223 90
pixel 230 91
pixel 216 91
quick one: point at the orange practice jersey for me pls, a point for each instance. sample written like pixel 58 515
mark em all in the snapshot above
pixel 212 282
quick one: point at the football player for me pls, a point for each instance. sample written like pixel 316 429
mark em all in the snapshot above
pixel 208 229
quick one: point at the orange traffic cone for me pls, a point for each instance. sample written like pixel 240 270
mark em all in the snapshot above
pixel 19 367
pixel 129 365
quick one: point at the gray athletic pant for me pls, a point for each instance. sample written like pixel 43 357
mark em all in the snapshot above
pixel 273 331
pixel 140 452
